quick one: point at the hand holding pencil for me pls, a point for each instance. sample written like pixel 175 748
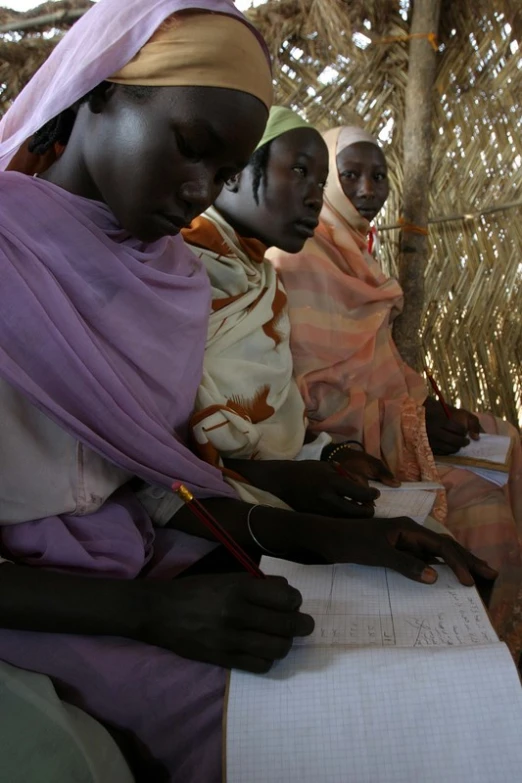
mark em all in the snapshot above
pixel 448 428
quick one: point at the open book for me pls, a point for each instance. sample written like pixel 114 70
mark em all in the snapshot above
pixel 491 452
pixel 399 682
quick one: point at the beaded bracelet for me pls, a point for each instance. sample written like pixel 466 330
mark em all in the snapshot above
pixel 254 539
pixel 348 444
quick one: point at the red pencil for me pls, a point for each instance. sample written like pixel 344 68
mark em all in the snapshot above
pixel 438 392
pixel 219 532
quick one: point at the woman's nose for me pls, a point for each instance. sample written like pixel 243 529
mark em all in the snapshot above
pixel 200 193
pixel 365 187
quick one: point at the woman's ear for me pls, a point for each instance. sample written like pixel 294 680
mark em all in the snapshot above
pixel 100 96
pixel 232 184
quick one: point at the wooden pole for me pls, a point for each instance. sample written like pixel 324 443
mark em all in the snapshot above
pixel 414 244
pixel 60 17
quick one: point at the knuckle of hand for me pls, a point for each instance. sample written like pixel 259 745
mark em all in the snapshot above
pixel 221 640
pixel 289 628
pixel 294 599
pixel 283 648
pixel 263 666
pixel 232 611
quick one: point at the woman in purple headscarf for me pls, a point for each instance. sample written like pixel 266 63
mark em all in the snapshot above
pixel 103 326
pixel 103 316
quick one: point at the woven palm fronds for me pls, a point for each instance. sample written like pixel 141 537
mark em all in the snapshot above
pixel 334 61
pixel 338 61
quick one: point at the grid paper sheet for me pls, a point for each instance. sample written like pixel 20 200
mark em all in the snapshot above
pixel 352 715
pixel 400 682
pixel 363 606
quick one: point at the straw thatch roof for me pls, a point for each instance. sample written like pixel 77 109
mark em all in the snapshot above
pixel 334 61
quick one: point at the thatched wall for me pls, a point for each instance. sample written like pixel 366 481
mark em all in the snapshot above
pixel 334 60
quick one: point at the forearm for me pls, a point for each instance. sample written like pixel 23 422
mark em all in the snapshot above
pixel 261 473
pixel 275 527
pixel 32 599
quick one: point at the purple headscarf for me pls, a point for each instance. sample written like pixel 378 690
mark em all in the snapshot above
pixel 102 332
pixel 100 43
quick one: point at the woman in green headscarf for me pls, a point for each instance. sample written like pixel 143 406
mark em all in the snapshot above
pixel 249 412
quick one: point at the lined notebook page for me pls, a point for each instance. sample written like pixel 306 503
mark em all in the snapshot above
pixel 493 448
pixel 358 605
pixel 337 715
pixel 400 682
pixel 490 451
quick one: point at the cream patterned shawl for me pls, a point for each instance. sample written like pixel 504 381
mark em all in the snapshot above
pixel 248 404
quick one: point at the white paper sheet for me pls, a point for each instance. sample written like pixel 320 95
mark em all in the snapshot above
pixel 332 715
pixel 414 499
pixel 358 605
pixel 493 448
pixel 498 477
pixel 400 682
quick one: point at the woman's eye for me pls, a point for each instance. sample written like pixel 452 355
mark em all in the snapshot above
pixel 381 177
pixel 349 175
pixel 186 149
pixel 226 175
pixel 299 170
pixel 322 185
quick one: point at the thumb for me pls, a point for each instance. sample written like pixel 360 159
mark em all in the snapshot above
pixel 383 474
pixel 412 567
pixel 474 427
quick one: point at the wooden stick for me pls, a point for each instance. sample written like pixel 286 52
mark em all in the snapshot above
pixel 418 141
pixel 59 17
pixel 438 392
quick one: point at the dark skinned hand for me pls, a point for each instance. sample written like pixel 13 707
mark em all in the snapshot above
pixel 317 487
pixel 310 486
pixel 230 620
pixel 447 436
pixel 361 467
pixel 400 544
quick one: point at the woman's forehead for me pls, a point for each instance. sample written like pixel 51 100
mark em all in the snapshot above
pixel 363 152
pixel 305 141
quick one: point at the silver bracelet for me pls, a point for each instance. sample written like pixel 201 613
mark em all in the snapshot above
pixel 254 539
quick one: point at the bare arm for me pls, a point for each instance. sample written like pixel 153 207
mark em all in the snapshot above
pixel 230 620
pixel 35 599
pixel 400 543
pixel 308 485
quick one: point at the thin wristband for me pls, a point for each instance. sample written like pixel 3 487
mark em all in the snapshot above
pixel 253 537
pixel 347 445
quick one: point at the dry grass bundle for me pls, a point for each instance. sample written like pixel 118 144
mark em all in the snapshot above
pixel 333 61
pixel 24 47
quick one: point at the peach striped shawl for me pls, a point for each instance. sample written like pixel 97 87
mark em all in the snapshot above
pixel 352 378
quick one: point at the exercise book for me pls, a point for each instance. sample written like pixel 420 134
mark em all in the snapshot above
pixel 399 682
pixel 490 452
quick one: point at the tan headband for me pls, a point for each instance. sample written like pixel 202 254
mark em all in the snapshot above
pixel 201 50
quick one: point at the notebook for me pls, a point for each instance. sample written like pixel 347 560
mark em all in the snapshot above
pixel 490 452
pixel 399 682
pixel 414 499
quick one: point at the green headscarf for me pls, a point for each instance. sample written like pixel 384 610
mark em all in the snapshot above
pixel 281 120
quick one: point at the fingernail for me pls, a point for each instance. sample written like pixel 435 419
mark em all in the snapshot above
pixel 429 575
